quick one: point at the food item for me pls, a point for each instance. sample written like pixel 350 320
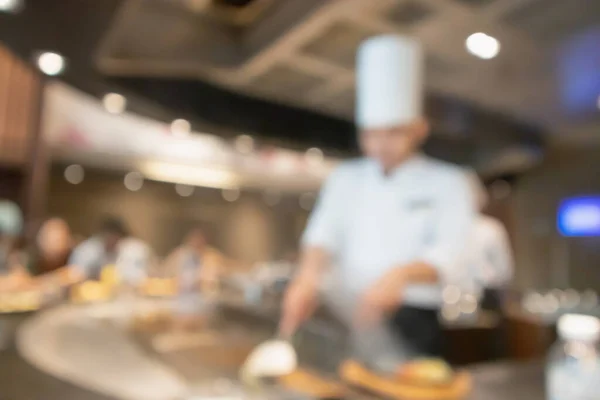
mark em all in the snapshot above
pixel 312 385
pixel 20 301
pixel 90 291
pixel 159 287
pixel 110 276
pixel 431 371
pixel 357 375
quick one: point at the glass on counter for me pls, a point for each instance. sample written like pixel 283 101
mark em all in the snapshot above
pixel 573 366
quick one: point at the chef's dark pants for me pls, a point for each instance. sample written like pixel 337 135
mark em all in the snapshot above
pixel 492 300
pixel 421 328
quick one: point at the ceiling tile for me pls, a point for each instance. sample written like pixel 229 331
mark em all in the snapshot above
pixel 338 44
pixel 553 20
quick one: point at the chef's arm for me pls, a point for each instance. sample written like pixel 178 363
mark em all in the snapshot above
pixel 440 260
pixel 313 262
pixel 318 246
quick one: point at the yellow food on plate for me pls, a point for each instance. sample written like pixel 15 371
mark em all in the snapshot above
pixel 355 374
pixel 20 301
pixel 311 384
pixel 110 276
pixel 159 287
pixel 431 371
pixel 90 291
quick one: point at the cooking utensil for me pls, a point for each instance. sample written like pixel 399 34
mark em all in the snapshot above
pixel 270 359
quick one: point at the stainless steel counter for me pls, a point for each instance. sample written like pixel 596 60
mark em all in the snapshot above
pixel 319 345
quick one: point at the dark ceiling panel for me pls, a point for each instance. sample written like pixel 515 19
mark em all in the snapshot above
pixel 477 3
pixel 245 114
pixel 553 20
pixel 293 82
pixel 409 13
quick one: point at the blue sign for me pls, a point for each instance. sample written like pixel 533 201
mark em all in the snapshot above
pixel 579 216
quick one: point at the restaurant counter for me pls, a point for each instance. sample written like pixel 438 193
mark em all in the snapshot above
pixel 92 348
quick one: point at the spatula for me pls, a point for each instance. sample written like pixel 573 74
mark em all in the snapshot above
pixel 270 359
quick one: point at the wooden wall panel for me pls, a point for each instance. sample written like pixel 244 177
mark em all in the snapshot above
pixel 19 91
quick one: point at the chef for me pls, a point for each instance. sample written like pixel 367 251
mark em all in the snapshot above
pixel 393 224
pixel 489 256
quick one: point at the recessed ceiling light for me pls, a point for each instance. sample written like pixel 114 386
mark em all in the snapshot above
pixel 314 156
pixel 180 127
pixel 74 174
pixel 114 103
pixel 244 144
pixel 51 63
pixel 184 190
pixel 230 195
pixel 134 181
pixel 11 6
pixel 483 46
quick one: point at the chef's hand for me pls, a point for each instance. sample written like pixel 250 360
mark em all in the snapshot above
pixel 299 303
pixel 381 298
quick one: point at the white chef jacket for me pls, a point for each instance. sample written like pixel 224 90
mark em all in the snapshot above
pixel 369 223
pixel 489 256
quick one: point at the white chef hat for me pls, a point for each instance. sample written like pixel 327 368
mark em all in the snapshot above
pixel 389 87
pixel 11 218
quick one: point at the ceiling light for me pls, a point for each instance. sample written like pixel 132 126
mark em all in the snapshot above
pixel 483 46
pixel 184 190
pixel 231 195
pixel 190 175
pixel 134 181
pixel 51 63
pixel 314 156
pixel 74 174
pixel 11 6
pixel 180 128
pixel 244 144
pixel 114 103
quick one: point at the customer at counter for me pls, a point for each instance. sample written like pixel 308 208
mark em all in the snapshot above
pixel 195 261
pixel 51 250
pixel 11 225
pixel 112 245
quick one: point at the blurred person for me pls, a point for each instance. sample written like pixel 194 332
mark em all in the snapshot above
pixel 393 224
pixel 90 256
pixel 52 248
pixel 489 266
pixel 11 226
pixel 112 245
pixel 489 256
pixel 195 261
